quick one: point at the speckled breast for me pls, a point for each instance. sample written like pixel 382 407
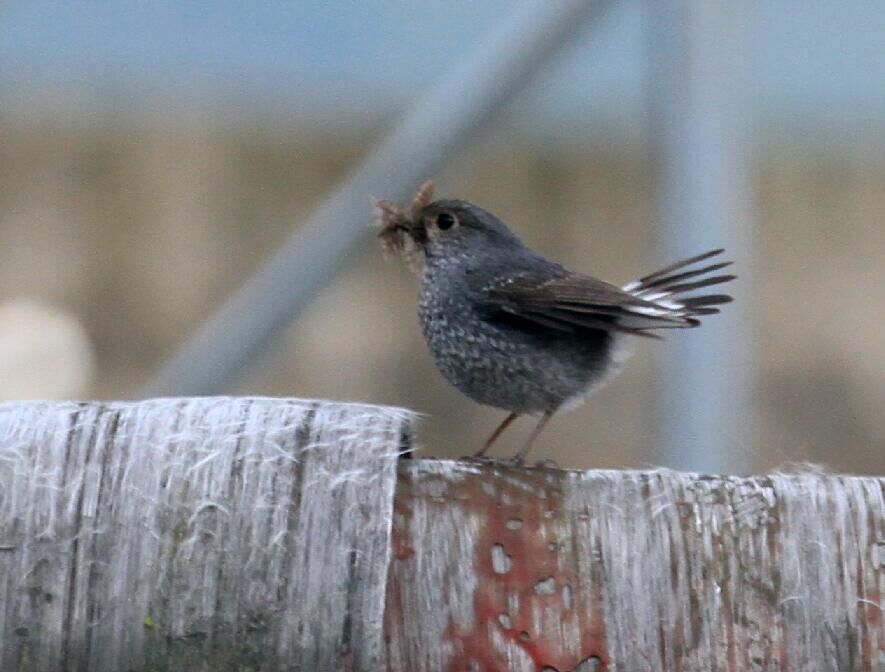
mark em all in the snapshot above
pixel 493 363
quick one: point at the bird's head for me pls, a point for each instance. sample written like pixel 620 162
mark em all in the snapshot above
pixel 442 229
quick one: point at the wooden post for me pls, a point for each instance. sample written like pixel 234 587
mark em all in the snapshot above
pixel 194 534
pixel 541 569
pixel 271 534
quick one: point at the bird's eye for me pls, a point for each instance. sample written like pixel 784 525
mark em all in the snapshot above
pixel 445 221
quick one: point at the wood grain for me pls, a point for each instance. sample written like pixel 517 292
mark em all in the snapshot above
pixel 194 534
pixel 270 535
pixel 527 570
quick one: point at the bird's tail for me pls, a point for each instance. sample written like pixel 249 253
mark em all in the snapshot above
pixel 670 290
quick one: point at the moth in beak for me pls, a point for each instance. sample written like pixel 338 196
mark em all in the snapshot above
pixel 403 232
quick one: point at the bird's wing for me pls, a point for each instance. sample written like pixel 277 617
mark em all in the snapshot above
pixel 570 301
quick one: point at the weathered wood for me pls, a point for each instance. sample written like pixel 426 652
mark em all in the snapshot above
pixel 270 535
pixel 195 534
pixel 511 569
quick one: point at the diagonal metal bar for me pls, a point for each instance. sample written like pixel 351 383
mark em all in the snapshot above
pixel 447 119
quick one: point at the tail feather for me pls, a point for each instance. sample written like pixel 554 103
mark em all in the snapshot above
pixel 681 288
pixel 707 300
pixel 666 289
pixel 680 264
pixel 687 275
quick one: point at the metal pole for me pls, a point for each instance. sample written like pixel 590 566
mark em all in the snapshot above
pixel 704 414
pixel 439 125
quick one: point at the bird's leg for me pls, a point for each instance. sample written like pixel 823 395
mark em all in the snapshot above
pixel 520 456
pixel 504 425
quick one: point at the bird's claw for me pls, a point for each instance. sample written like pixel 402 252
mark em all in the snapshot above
pixel 481 459
pixel 547 463
pixel 515 461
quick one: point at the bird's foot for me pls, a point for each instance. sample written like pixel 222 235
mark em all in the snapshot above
pixel 547 463
pixel 519 461
pixel 480 459
pixel 515 461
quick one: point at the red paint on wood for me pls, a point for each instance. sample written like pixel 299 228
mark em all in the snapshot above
pixel 541 573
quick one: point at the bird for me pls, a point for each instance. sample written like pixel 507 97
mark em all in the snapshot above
pixel 514 330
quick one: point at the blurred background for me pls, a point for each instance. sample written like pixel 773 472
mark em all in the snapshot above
pixel 152 155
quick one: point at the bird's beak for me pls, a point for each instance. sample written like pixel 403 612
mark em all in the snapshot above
pixel 417 230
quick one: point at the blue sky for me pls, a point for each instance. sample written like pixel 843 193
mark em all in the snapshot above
pixel 809 63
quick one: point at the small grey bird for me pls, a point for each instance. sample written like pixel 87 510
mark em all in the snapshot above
pixel 514 330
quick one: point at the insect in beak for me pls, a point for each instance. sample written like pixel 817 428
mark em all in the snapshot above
pixel 401 232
